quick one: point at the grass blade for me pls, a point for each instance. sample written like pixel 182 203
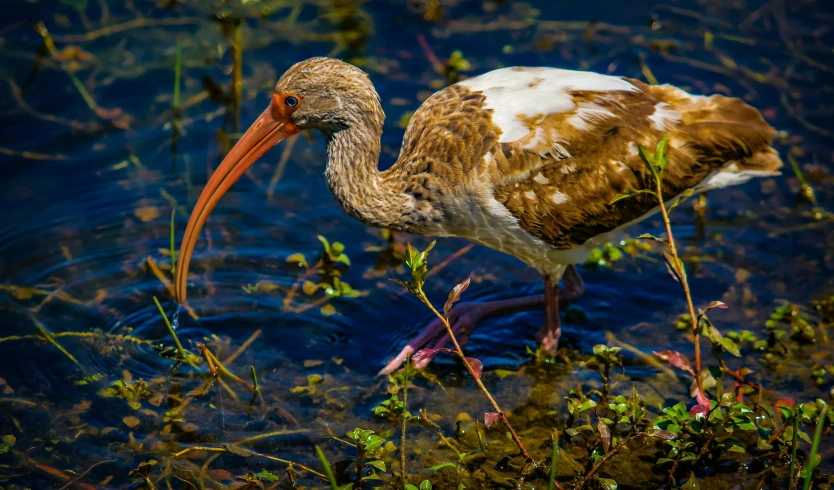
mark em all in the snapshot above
pixel 552 481
pixel 792 468
pixel 814 447
pixel 180 348
pixel 327 469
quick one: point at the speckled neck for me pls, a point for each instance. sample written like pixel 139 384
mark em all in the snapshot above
pixel 353 176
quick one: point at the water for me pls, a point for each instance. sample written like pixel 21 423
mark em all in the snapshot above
pixel 86 200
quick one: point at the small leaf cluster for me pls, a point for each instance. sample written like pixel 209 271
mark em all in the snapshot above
pixel 604 256
pixel 391 409
pixel 629 411
pixel 143 472
pixel 310 388
pixel 424 485
pixel 130 392
pixel 368 460
pixel 417 263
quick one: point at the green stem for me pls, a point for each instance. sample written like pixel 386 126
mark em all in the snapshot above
pixel 471 370
pixel 681 274
pixel 814 447
pixel 171 251
pixel 806 189
pixel 177 75
pixel 327 469
pixel 257 389
pixel 180 348
pixel 792 481
pixel 49 337
pixel 553 457
pixel 405 418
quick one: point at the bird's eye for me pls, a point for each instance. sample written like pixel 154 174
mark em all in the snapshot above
pixel 291 101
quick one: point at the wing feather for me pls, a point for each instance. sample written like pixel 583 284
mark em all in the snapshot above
pixel 571 166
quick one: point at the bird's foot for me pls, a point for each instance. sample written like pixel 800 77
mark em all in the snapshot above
pixel 463 319
pixel 548 337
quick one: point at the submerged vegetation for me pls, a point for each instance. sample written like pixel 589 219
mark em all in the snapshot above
pixel 266 381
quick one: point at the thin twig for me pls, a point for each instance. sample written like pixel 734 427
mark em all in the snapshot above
pixel 82 475
pixel 471 370
pixel 125 26
pixel 243 346
pixel 684 282
pixel 606 457
pixel 48 336
pixel 249 451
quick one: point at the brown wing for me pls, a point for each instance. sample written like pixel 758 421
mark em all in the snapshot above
pixel 573 165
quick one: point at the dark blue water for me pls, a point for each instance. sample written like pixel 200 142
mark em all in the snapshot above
pixel 86 199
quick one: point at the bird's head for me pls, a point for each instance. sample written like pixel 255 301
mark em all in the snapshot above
pixel 328 95
pixel 318 93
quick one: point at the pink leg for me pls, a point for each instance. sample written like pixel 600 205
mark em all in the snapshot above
pixel 548 335
pixel 573 287
pixel 463 319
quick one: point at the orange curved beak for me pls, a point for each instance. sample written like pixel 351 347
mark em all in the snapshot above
pixel 267 131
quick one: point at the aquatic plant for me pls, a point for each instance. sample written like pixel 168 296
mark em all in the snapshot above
pixel 592 417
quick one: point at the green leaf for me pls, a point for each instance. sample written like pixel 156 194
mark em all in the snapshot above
pixel 632 194
pixel 298 258
pixel 762 445
pixel 645 155
pixel 416 261
pixel 379 464
pixel 692 483
pixel 443 465
pixel 607 483
pixel 649 236
pixel 326 244
pixel 589 404
pixel 802 435
pixel 373 442
pixel 7 443
pixel 425 485
pixel 267 476
pixel 410 487
pixel 660 151
pixel 730 346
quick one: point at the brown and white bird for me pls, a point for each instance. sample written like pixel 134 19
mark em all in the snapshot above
pixel 526 161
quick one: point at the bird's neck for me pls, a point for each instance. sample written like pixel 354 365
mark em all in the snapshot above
pixel 373 197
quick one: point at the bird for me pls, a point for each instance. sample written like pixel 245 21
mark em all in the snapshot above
pixel 527 161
